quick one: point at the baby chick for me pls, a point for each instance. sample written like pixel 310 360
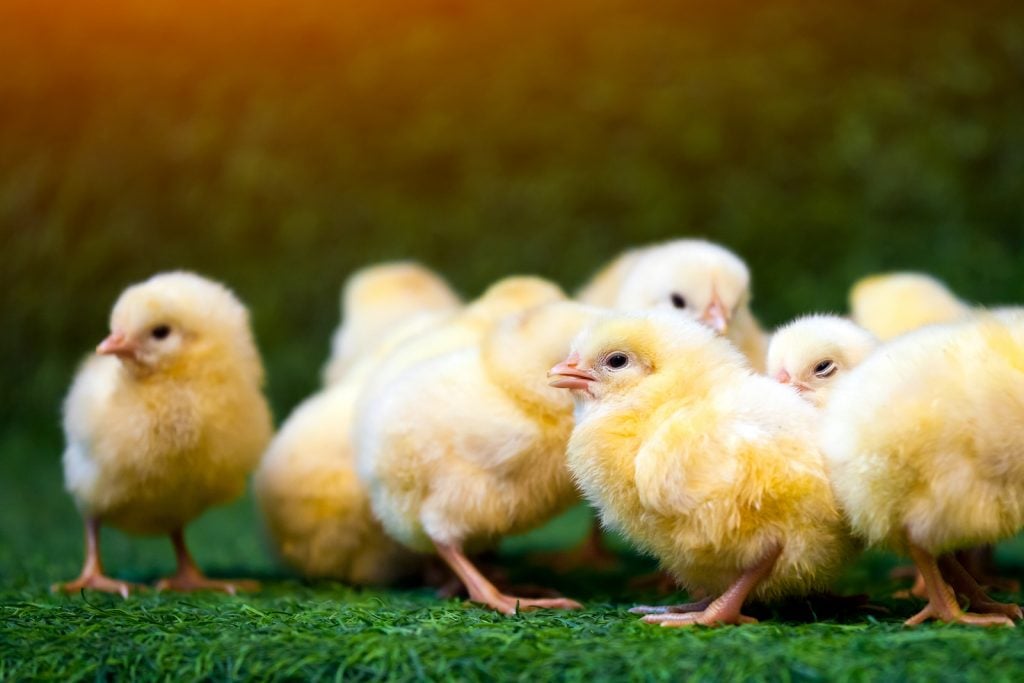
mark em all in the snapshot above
pixel 702 280
pixel 923 442
pixel 167 420
pixel 709 467
pixel 891 304
pixel 316 510
pixel 381 298
pixel 812 352
pixel 462 448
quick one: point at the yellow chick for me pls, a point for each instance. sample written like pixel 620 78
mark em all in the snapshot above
pixel 813 351
pixel 465 447
pixel 167 420
pixel 701 280
pixel 712 469
pixel 315 509
pixel 923 441
pixel 379 299
pixel 891 304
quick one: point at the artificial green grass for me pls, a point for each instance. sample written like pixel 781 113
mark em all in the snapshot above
pixel 325 630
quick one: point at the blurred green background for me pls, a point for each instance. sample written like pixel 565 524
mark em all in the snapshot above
pixel 278 145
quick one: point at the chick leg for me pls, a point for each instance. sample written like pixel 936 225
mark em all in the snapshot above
pixel 726 609
pixel 964 584
pixel 980 564
pixel 942 603
pixel 591 553
pixel 484 592
pixel 190 578
pixel 92 576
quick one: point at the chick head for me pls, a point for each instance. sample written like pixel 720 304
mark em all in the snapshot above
pixel 701 280
pixel 390 285
pixel 811 352
pixel 177 318
pixel 619 353
pixel 891 304
pixel 514 294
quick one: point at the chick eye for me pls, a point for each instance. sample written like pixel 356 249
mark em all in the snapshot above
pixel 678 301
pixel 161 331
pixel 825 368
pixel 617 361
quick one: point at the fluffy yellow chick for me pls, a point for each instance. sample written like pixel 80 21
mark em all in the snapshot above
pixel 891 304
pixel 712 469
pixel 812 352
pixel 465 447
pixel 379 299
pixel 923 443
pixel 316 510
pixel 702 280
pixel 165 421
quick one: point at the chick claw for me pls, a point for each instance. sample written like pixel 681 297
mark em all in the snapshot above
pixel 97 582
pixel 958 617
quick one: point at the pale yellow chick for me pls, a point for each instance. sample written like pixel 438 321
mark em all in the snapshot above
pixel 813 351
pixel 712 469
pixel 378 300
pixel 166 420
pixel 463 448
pixel 316 510
pixel 891 304
pixel 923 443
pixel 699 279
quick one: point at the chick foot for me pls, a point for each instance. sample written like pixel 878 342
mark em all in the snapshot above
pixel 92 576
pixel 963 583
pixel 485 593
pixel 97 582
pixel 190 578
pixel 726 609
pixel 942 604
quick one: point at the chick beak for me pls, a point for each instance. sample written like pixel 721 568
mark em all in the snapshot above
pixel 715 315
pixel 117 344
pixel 783 377
pixel 566 375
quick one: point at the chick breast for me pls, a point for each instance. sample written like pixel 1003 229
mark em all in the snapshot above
pixel 150 457
pixel 924 438
pixel 710 486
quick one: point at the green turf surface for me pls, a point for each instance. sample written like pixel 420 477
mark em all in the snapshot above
pixel 325 630
pixel 279 144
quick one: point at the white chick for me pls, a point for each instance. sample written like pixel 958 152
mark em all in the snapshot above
pixel 923 442
pixel 712 469
pixel 167 420
pixel 316 510
pixel 891 304
pixel 380 299
pixel 465 447
pixel 813 351
pixel 701 280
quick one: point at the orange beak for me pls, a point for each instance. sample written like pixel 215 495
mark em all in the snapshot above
pixel 715 315
pixel 566 375
pixel 117 344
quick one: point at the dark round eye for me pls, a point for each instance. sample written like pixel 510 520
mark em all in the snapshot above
pixel 617 360
pixel 678 301
pixel 825 368
pixel 161 331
